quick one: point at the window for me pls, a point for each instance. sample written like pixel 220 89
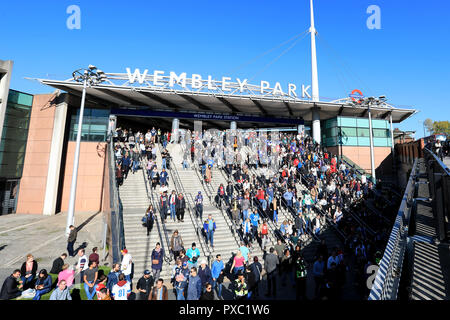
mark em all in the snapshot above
pixel 348 132
pixel 95 124
pixel 380 133
pixel 363 132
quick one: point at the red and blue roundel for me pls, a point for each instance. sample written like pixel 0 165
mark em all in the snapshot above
pixel 357 96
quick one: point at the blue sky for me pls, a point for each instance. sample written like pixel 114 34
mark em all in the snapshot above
pixel 407 59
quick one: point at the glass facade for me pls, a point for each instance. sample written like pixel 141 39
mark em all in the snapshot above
pixel 352 131
pixel 95 124
pixel 15 134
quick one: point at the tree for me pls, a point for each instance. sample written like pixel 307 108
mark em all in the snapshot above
pixel 428 123
pixel 441 127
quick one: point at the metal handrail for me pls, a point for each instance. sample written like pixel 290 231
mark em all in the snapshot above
pixel 167 257
pixel 117 228
pixel 385 286
pixel 209 193
pixel 177 181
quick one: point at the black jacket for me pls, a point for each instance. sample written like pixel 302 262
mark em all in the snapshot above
pixel 57 265
pixel 145 284
pixel 9 289
pixel 180 204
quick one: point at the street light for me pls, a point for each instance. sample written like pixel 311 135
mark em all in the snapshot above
pixel 90 77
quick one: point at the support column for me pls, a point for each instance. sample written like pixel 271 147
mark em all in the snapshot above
pixel 372 160
pixel 316 134
pixel 233 125
pixel 54 161
pixel 392 141
pixel 175 127
pixel 5 78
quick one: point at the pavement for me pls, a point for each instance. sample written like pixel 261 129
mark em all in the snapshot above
pixel 44 237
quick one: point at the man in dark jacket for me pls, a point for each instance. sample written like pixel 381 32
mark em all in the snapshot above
pixel 180 205
pixel 71 240
pixel 58 264
pixel 144 285
pixel 9 288
pixel 270 265
pixel 204 272
pixel 230 190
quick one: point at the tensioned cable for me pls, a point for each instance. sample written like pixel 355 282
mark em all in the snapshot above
pixel 344 64
pixel 266 52
pixel 279 56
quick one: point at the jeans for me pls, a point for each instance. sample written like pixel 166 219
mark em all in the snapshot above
pixel 199 208
pixel 156 273
pixel 263 203
pixel 164 163
pixel 219 288
pixel 272 282
pixel 173 212
pixel 275 216
pixel 180 294
pixel 26 280
pixel 135 166
pixel 40 293
pixel 90 295
pixel 211 237
pixel 237 269
pixel 245 214
pixel 70 248
pixel 185 164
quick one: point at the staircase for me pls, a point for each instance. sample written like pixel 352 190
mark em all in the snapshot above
pixel 225 243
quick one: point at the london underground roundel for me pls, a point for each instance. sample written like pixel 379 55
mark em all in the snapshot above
pixel 357 96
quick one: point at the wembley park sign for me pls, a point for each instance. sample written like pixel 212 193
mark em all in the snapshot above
pixel 197 83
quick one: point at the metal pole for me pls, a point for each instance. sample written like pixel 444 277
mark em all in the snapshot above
pixel 392 141
pixel 73 187
pixel 372 162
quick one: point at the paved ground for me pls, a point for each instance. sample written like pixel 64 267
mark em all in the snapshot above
pixel 43 237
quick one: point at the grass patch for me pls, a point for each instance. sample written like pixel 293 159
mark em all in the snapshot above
pixel 77 292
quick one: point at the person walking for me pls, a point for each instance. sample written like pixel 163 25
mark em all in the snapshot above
pixel 210 226
pixel 150 219
pixel 204 272
pixel 172 203
pixel 71 240
pixel 176 244
pixel 157 260
pixel 199 205
pixel 144 285
pixel 113 276
pixel 159 292
pixel 300 277
pixel 164 203
pixel 126 265
pixel 217 275
pixel 194 289
pixel 270 265
pixel 181 281
pixel 180 207
pixel 256 270
pixel 193 254
pixel 318 272
pixel 240 287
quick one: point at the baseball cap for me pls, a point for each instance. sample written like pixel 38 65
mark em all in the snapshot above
pixel 124 251
pixel 185 264
pixel 100 286
pixel 147 272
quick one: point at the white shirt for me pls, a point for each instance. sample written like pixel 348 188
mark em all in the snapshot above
pixel 121 293
pixel 126 264
pixel 363 179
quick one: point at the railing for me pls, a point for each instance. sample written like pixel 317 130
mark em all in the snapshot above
pixel 210 194
pixel 357 169
pixel 167 257
pixel 385 286
pixel 179 187
pixel 117 232
pixel 439 184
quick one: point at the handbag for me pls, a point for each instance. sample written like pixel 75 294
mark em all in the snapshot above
pixel 155 261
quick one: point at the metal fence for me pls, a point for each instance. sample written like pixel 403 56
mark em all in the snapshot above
pixel 439 183
pixel 113 210
pixel 386 284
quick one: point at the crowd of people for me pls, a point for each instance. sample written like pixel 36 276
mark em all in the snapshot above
pixel 311 187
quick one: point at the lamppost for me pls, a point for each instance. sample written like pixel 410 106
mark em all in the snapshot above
pixel 369 102
pixel 90 76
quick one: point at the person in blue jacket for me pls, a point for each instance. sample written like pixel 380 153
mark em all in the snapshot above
pixel 193 254
pixel 43 284
pixel 217 275
pixel 210 226
pixel 194 289
pixel 181 281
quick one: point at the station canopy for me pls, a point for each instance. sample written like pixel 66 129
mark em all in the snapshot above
pixel 253 101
